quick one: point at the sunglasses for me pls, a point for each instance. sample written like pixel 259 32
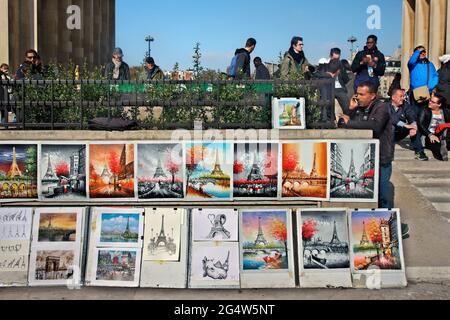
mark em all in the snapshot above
pixel 32 57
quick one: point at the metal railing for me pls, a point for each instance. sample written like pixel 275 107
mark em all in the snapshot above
pixel 159 105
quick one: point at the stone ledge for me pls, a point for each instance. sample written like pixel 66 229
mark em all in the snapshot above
pixel 49 135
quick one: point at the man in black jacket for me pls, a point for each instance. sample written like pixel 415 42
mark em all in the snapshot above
pixel 261 71
pixel 243 61
pixel 342 79
pixel 369 64
pixel 367 112
pixel 332 71
pixel 117 69
pixel 404 121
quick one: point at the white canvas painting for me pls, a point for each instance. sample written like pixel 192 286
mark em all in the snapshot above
pixel 162 235
pixel 215 264
pixel 215 224
pixel 15 224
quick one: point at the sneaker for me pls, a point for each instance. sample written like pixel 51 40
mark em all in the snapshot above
pixel 405 231
pixel 421 156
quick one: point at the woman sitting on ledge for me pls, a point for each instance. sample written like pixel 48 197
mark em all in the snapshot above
pixel 431 122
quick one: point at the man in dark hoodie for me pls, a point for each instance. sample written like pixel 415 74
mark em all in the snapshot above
pixel 332 71
pixel 369 64
pixel 262 73
pixel 243 60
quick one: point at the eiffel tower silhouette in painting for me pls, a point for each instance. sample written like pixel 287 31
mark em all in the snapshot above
pixel 260 239
pixel 364 238
pixel 159 173
pixel 335 239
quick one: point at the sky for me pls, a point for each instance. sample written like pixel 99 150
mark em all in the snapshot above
pixel 223 26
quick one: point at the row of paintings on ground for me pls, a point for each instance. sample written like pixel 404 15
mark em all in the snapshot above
pixel 201 248
pixel 341 171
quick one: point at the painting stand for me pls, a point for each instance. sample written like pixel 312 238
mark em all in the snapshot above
pixel 167 274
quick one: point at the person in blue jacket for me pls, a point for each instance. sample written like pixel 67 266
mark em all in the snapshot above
pixel 418 66
pixel 420 70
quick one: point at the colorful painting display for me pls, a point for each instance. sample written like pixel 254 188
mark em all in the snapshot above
pixel 162 235
pixel 63 172
pixel 325 240
pixel 208 171
pixel 215 224
pixel 376 240
pixel 120 228
pixel 54 265
pixel 353 171
pixel 160 171
pixel 57 227
pixel 305 170
pixel 116 265
pixel 289 113
pixel 255 170
pixel 111 171
pixel 265 240
pixel 18 171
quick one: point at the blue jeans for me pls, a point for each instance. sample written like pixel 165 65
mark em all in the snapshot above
pixel 385 196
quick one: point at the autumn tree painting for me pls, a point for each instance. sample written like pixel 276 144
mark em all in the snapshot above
pixel 63 172
pixel 255 170
pixel 309 229
pixel 160 171
pixel 111 171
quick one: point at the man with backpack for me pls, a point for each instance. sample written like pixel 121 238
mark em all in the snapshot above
pixel 240 64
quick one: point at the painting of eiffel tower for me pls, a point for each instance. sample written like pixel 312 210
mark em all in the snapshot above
pixel 265 235
pixel 63 172
pixel 18 171
pixel 305 170
pixel 353 173
pixel 162 235
pixel 160 171
pixel 117 227
pixel 255 170
pixel 326 245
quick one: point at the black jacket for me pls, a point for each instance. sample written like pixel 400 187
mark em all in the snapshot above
pixel 378 119
pixel 344 79
pixel 124 71
pixel 443 87
pixel 404 115
pixel 262 73
pixel 425 120
pixel 242 63
pixel 361 70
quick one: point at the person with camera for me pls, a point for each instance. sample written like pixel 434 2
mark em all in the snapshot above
pixel 369 64
pixel 368 112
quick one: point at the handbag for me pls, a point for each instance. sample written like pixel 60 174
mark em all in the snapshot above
pixel 422 94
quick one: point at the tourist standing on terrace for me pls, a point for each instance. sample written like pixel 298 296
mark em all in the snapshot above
pixel 153 71
pixel 117 69
pixel 295 62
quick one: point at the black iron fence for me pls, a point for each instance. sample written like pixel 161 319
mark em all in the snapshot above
pixel 159 105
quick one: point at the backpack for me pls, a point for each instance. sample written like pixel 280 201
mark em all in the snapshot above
pixel 232 67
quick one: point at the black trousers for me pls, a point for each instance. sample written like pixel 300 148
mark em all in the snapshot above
pixel 439 149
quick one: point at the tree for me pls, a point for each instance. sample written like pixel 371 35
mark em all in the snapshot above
pixel 114 166
pixel 194 156
pixel 197 66
pixel 238 167
pixel 289 164
pixel 279 231
pixel 62 169
pixel 171 164
pixel 309 229
pixel 374 232
pixel 31 161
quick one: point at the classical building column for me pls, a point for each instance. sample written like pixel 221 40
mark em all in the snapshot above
pixel 4 32
pixel 438 12
pixel 408 29
pixel 422 23
pixel 447 46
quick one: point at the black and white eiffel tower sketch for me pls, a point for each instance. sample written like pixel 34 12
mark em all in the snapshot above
pixel 217 228
pixel 260 239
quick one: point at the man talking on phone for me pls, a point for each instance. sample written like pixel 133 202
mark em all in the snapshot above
pixel 368 112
